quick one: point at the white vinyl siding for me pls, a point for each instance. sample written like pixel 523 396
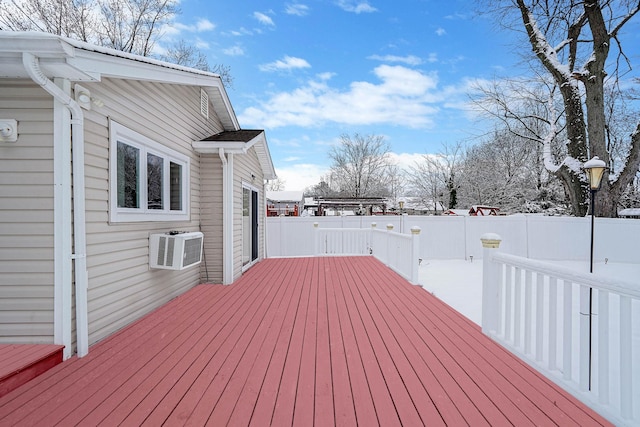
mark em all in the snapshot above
pixel 26 216
pixel 121 286
pixel 211 217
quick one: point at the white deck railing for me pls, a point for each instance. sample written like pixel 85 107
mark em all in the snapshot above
pixel 397 251
pixel 540 311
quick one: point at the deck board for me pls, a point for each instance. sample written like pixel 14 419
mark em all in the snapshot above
pixel 309 341
pixel 20 363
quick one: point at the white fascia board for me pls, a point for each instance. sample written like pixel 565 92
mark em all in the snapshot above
pixel 264 156
pixel 222 106
pixel 212 147
pixel 79 61
pixel 43 45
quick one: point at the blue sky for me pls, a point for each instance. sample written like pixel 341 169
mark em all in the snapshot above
pixel 309 71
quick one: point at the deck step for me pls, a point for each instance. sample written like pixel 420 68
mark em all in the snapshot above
pixel 20 363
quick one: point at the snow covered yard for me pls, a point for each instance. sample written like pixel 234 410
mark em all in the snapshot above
pixel 459 282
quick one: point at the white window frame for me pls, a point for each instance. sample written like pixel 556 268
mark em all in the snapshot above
pixel 120 133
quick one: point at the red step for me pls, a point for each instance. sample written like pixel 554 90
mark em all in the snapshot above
pixel 20 363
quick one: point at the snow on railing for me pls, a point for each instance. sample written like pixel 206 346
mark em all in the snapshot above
pixel 396 250
pixel 541 312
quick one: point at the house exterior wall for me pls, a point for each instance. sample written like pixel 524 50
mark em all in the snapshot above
pixel 26 216
pixel 121 286
pixel 244 167
pixel 211 217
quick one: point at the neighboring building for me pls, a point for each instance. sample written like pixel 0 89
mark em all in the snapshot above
pixel 457 212
pixel 483 210
pixel 101 150
pixel 337 206
pixel 629 213
pixel 285 203
pixel 419 206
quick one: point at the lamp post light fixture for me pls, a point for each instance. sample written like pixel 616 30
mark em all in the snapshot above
pixel 594 169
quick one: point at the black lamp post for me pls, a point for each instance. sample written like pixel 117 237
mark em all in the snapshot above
pixel 594 169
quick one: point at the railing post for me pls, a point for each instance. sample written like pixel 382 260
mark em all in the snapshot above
pixel 316 234
pixel 415 254
pixel 490 281
pixel 371 237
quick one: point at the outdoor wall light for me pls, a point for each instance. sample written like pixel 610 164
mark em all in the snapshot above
pixel 82 96
pixel 8 130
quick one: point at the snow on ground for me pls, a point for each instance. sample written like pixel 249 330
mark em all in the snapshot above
pixel 459 283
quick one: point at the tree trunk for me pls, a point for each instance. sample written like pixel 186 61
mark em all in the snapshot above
pixel 576 147
pixel 576 127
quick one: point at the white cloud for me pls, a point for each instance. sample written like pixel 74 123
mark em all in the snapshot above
pixel 409 59
pixel 406 160
pixel 234 51
pixel 201 26
pixel 201 44
pixel 326 76
pixel 296 9
pixel 264 19
pixel 205 25
pixel 297 177
pixel 433 57
pixel 286 64
pixel 356 6
pixel 441 31
pixel 403 97
pixel 238 33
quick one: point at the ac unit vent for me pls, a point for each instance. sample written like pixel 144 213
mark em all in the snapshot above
pixel 175 251
pixel 204 103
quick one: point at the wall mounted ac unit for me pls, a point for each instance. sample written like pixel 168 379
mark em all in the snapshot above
pixel 175 250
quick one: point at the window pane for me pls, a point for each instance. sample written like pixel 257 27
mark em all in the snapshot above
pixel 175 186
pixel 128 176
pixel 154 181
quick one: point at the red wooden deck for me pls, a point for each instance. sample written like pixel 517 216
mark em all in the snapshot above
pixel 20 363
pixel 305 341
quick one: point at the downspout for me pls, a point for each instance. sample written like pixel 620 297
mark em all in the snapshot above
pixel 32 67
pixel 227 217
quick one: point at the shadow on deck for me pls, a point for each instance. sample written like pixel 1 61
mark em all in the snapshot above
pixel 304 341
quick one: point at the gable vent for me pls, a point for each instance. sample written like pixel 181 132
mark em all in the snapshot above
pixel 204 103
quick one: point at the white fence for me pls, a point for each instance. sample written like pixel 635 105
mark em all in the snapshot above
pixel 397 251
pixel 458 237
pixel 582 330
pixel 538 310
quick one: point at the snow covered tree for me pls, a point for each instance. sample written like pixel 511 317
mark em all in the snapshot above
pixel 277 184
pixel 436 177
pixel 396 183
pixel 361 165
pixel 133 26
pixel 321 189
pixel 425 179
pixel 499 172
pixel 572 42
